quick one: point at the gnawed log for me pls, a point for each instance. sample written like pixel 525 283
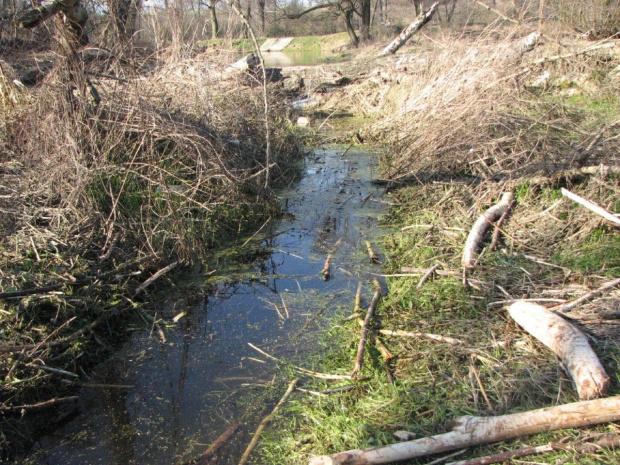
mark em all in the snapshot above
pixel 414 27
pixel 480 226
pixel 568 343
pixel 470 431
pixel 74 13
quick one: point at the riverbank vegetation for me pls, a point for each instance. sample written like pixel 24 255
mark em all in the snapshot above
pixel 465 118
pixel 118 164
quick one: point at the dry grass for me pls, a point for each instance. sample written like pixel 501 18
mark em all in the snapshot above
pixel 95 197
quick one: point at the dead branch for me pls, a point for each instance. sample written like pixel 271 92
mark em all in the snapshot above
pixel 568 343
pixel 480 226
pixel 19 409
pixel 369 314
pixel 567 307
pixel 608 441
pixel 469 431
pixel 417 334
pixel 499 225
pixel 374 258
pixel 267 419
pixel 326 272
pixel 155 277
pixel 496 11
pixel 300 370
pixel 45 345
pixel 414 27
pixel 219 442
pixel 428 274
pixel 591 206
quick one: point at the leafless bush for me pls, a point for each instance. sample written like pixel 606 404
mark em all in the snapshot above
pixel 477 109
pixel 598 19
pixel 168 160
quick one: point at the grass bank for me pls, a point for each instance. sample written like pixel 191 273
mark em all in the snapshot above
pixel 111 176
pixel 461 125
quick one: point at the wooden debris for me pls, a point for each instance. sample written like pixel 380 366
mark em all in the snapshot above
pixel 606 442
pixel 428 274
pixel 470 431
pixel 374 258
pixel 416 334
pixel 263 423
pixel 219 442
pixel 591 206
pixel 20 409
pixel 362 344
pixel 584 298
pixel 303 371
pixel 568 343
pixel 155 277
pixel 326 272
pixel 414 27
pixel 479 228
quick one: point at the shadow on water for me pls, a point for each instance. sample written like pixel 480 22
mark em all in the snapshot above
pixel 173 390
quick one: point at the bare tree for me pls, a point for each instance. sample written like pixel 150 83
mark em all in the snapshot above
pixel 215 25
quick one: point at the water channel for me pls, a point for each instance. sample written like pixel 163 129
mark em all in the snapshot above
pixel 166 395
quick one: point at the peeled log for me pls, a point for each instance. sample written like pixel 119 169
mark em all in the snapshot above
pixel 568 343
pixel 471 431
pixel 414 27
pixel 480 226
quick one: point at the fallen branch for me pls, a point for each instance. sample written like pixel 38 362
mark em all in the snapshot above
pixel 568 343
pixel 414 27
pixel 496 11
pixel 219 442
pixel 417 334
pixel 362 344
pixel 326 272
pixel 470 431
pixel 584 298
pixel 480 226
pixel 19 409
pixel 607 442
pixel 591 206
pixel 155 277
pixel 267 419
pixel 374 258
pixel 45 345
pixel 498 227
pixel 301 370
pixel 431 271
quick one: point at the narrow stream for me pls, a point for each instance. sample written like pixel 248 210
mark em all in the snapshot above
pixel 168 394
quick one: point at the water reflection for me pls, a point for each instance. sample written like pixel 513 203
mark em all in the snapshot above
pixel 178 387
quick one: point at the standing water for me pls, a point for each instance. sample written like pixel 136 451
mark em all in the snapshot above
pixel 173 390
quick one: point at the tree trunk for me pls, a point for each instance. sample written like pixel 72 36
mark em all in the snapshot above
pixel 75 14
pixel 261 14
pixel 215 25
pixel 348 17
pixel 470 431
pixel 568 343
pixel 414 27
pixel 366 10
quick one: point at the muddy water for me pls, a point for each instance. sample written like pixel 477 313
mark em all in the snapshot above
pixel 174 389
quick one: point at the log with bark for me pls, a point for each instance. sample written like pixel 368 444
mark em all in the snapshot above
pixel 470 431
pixel 72 10
pixel 414 27
pixel 480 226
pixel 568 343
